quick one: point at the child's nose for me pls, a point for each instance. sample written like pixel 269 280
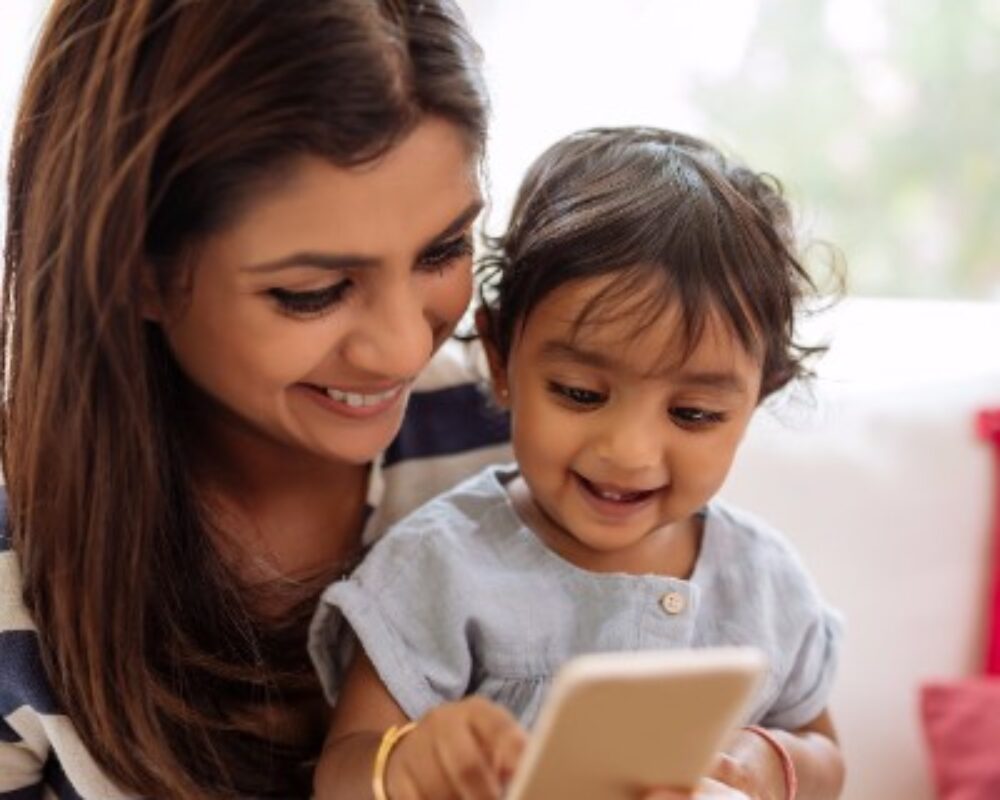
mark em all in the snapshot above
pixel 631 442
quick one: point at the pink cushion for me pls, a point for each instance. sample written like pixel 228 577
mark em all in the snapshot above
pixel 962 726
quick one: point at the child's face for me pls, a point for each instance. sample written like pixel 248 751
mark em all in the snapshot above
pixel 616 438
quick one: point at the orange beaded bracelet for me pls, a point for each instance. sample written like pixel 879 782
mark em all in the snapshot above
pixel 787 765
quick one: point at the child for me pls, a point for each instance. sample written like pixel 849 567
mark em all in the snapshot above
pixel 639 309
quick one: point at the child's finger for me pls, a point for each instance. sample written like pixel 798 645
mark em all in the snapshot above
pixel 508 751
pixel 489 721
pixel 415 772
pixel 467 766
pixel 500 735
pixel 666 794
pixel 733 773
pixel 405 788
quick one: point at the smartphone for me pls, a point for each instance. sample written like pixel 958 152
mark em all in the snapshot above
pixel 615 724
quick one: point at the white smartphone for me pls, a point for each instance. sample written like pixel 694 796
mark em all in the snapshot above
pixel 616 723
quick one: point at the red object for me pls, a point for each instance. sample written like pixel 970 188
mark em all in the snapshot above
pixel 989 429
pixel 962 718
pixel 962 727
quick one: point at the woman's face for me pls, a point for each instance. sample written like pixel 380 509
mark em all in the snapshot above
pixel 307 321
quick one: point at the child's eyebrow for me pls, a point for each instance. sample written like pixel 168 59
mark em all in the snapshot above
pixel 718 380
pixel 723 380
pixel 557 350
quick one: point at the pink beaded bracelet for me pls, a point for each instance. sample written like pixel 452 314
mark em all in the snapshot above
pixel 787 765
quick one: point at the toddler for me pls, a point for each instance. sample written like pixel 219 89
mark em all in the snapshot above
pixel 637 311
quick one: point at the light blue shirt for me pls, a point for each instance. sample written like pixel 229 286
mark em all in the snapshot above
pixel 461 598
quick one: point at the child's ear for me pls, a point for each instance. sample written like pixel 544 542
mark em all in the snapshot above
pixel 498 370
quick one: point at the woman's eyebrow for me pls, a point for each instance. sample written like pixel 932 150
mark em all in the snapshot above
pixel 310 259
pixel 341 261
pixel 457 225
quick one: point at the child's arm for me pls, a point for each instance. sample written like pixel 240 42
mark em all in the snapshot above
pixel 752 766
pixel 467 748
pixel 814 752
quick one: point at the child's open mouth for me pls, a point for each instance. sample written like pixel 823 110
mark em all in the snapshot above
pixel 614 494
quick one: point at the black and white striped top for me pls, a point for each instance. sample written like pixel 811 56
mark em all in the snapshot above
pixel 450 432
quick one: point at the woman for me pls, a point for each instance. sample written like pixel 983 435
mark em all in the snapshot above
pixel 238 231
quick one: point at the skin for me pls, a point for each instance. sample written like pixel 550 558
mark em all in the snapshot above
pixel 606 414
pixel 620 439
pixel 336 278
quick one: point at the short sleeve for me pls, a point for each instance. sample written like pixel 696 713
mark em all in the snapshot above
pixel 759 593
pixel 806 689
pixel 403 606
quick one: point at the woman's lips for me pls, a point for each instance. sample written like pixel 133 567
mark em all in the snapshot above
pixel 359 404
pixel 362 399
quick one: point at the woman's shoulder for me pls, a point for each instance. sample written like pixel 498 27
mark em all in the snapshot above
pixel 39 747
pixel 25 696
pixel 450 410
pixel 15 621
pixel 457 361
pixel 451 430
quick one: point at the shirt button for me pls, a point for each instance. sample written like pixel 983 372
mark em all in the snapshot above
pixel 673 602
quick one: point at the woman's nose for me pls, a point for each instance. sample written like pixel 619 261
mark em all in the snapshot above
pixel 396 339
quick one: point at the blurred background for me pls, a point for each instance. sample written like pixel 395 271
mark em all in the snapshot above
pixel 881 117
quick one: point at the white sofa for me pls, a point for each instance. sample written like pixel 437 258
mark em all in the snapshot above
pixel 881 482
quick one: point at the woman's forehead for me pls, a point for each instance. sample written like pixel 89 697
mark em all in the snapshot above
pixel 392 206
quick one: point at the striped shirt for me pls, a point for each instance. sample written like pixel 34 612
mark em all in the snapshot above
pixel 450 431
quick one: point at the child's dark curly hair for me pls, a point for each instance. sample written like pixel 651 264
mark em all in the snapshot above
pixel 653 204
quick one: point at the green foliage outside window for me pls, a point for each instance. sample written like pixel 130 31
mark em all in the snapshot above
pixel 890 142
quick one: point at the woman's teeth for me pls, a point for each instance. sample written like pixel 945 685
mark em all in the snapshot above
pixel 358 400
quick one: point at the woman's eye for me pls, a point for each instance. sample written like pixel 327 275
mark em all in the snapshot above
pixel 311 302
pixel 696 417
pixel 576 396
pixel 444 255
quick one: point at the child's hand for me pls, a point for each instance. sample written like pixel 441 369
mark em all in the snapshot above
pixel 747 771
pixel 467 749
pixel 708 789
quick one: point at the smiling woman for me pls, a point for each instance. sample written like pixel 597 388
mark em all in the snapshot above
pixel 305 324
pixel 238 238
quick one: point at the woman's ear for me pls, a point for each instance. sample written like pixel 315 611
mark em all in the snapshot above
pixel 498 369
pixel 151 300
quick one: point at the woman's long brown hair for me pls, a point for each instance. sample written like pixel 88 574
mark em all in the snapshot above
pixel 144 126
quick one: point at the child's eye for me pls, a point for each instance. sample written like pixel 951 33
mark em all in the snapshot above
pixel 576 396
pixel 311 302
pixel 442 256
pixel 696 417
